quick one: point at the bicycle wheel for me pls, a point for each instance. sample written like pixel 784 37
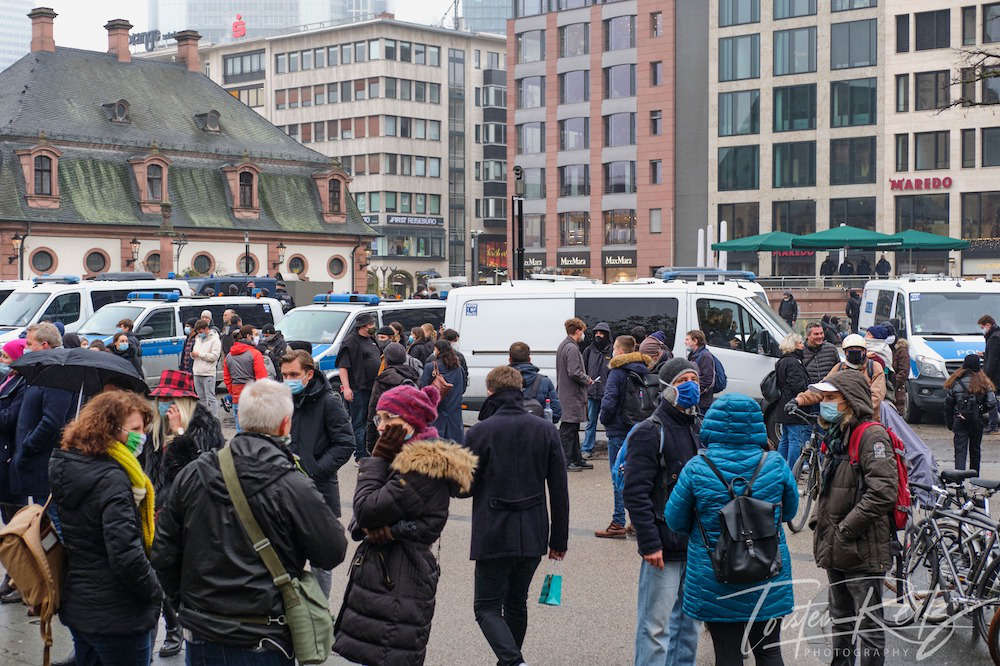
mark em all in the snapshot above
pixel 896 612
pixel 921 570
pixel 993 638
pixel 807 479
pixel 988 593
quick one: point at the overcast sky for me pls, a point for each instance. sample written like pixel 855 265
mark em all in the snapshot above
pixel 80 23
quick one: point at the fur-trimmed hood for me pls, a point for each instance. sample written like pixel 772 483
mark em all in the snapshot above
pixel 438 459
pixel 634 357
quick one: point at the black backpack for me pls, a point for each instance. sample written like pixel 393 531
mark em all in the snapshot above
pixel 530 402
pixel 747 549
pixel 968 406
pixel 639 396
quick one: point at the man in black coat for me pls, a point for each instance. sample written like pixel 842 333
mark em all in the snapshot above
pixel 596 358
pixel 883 267
pixel 853 310
pixel 789 309
pixel 519 455
pixel 657 451
pixel 322 435
pixel 206 564
pixel 357 366
pixel 991 358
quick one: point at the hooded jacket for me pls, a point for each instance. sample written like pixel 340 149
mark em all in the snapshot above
pixel 611 404
pixel 207 565
pixel 595 363
pixel 874 374
pixel 392 376
pixel 788 309
pixel 203 433
pixel 736 437
pixel 852 522
pixel 389 602
pixel 322 435
pixel 133 354
pixel 991 357
pixel 818 362
pixel 109 585
pixel 546 389
pixel 274 348
pixel 243 365
pixel 209 350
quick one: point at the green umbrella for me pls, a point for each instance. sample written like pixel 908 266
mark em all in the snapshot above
pixel 911 239
pixel 845 236
pixel 776 240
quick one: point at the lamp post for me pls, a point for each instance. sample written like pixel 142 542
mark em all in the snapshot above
pixel 475 233
pixel 178 243
pixel 17 242
pixel 246 254
pixel 281 255
pixel 135 243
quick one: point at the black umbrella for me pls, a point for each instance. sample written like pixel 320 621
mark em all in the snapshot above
pixel 78 370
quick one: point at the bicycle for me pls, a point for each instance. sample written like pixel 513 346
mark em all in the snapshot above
pixel 805 471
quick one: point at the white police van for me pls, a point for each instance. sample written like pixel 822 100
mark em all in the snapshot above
pixel 937 315
pixel 158 322
pixel 72 301
pixel 331 317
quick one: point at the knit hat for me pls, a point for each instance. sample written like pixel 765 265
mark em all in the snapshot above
pixel 972 362
pixel 674 368
pixel 15 348
pixel 418 407
pixel 652 347
pixel 880 332
pixel 603 326
pixel 395 354
pixel 659 335
pixel 386 330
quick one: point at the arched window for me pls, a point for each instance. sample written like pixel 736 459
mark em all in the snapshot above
pixel 43 175
pixel 154 182
pixel 246 189
pixel 334 195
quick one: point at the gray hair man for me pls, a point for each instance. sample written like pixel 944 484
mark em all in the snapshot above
pixel 43 335
pixel 818 356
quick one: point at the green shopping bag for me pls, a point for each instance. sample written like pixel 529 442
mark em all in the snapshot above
pixel 551 590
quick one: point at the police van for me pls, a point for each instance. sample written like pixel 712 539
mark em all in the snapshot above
pixel 72 301
pixel 331 317
pixel 938 317
pixel 158 322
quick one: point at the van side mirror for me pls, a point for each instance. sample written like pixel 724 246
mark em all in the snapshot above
pixel 145 332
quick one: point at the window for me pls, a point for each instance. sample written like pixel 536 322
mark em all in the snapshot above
pixel 332 93
pixel 739 168
pixel 434 167
pixel 246 189
pixel 574 229
pixel 853 44
pixel 739 113
pixel 738 12
pixel 534 183
pixel 968 148
pixel 852 160
pixel 729 325
pixel 360 51
pixel 968 26
pixel 319 57
pixel 434 57
pixel 65 308
pixel 154 182
pixel 419 128
pixel 307 60
pixel 795 164
pixel 574 180
pixel 656 73
pixel 619 129
pixel 434 130
pixel 656 24
pixel 794 217
pixel 574 40
pixel 931 149
pixel 307 97
pixel 42 261
pixel 531 138
pixel 280 63
pixel 574 133
pixel 434 94
pixel 933 90
pixel 619 177
pixel 346 54
pixel 531 46
pixel 991 146
pixel 319 131
pixel 420 166
pixel 574 86
pixel 991 23
pixel 655 172
pixel 95 262
pixel 857 212
pixel 923 212
pixel 530 92
pixel 902 93
pixel 902 33
pixel 739 57
pixel 619 33
pixel 293 62
pixel 845 5
pixel 420 54
pixel 743 218
pixel 389 48
pixel 791 8
pixel 795 108
pixel 619 81
pixel 991 84
pixel 405 89
pixel 902 152
pixel 43 175
pixel 656 220
pixel 619 227
pixel 319 94
pixel 981 215
pixel 933 30
pixel 853 102
pixel 160 325
pixel 656 122
pixel 653 314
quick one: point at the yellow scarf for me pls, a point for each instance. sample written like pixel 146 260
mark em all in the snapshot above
pixel 121 455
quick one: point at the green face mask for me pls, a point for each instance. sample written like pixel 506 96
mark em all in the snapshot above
pixel 134 442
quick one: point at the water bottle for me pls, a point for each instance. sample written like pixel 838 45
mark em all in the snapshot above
pixel 547 412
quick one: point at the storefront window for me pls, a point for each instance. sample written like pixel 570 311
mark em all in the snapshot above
pixel 574 229
pixel 980 215
pixel 923 212
pixel 534 231
pixel 619 227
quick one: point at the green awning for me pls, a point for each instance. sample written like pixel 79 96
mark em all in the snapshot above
pixel 912 239
pixel 775 240
pixel 846 236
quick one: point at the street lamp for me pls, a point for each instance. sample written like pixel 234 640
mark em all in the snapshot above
pixel 134 244
pixel 179 244
pixel 281 255
pixel 475 233
pixel 246 255
pixel 17 241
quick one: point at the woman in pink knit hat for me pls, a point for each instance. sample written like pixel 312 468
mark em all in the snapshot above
pixel 400 508
pixel 11 393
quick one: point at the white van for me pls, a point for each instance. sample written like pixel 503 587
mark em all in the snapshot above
pixel 70 300
pixel 326 322
pixel 938 316
pixel 158 322
pixel 743 331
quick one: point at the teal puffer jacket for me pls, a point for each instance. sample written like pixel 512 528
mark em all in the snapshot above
pixel 735 434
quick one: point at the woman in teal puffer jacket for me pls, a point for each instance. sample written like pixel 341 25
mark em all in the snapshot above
pixel 736 437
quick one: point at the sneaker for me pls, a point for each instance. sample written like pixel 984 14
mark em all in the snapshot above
pixel 574 467
pixel 614 531
pixel 583 464
pixel 587 455
pixel 12 597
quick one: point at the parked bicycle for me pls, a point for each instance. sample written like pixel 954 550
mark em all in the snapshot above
pixel 805 471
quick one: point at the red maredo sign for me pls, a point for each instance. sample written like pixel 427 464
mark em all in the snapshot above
pixel 920 183
pixel 239 27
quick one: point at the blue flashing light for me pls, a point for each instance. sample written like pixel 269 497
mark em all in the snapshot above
pixel 169 297
pixel 49 278
pixel 707 273
pixel 326 299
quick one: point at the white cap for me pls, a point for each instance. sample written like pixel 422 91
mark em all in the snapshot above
pixel 853 340
pixel 823 387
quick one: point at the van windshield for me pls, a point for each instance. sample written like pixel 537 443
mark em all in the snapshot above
pixel 20 308
pixel 105 321
pixel 951 313
pixel 315 326
pixel 771 315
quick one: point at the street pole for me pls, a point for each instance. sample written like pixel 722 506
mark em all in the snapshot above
pixel 246 255
pixel 518 202
pixel 475 257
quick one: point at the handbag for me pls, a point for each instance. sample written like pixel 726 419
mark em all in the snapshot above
pixel 440 383
pixel 307 614
pixel 551 590
pixel 769 387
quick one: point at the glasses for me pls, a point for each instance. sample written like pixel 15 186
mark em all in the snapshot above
pixel 384 417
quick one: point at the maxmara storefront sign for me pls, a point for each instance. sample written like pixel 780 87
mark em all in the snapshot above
pixel 534 261
pixel 573 260
pixel 920 183
pixel 626 259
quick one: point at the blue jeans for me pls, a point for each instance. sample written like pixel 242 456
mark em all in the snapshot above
pixel 359 419
pixel 217 654
pixel 113 649
pixel 664 635
pixel 614 445
pixel 792 438
pixel 593 412
pixel 236 415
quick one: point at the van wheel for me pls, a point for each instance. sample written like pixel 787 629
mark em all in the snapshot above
pixel 772 425
pixel 913 413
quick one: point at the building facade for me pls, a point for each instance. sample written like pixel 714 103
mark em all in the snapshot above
pixel 596 128
pixel 486 15
pixel 15 30
pixel 854 112
pixel 413 113
pixel 144 165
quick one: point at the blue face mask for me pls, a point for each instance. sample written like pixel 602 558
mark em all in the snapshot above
pixel 4 368
pixel 26 350
pixel 202 336
pixel 187 330
pixel 688 394
pixel 828 412
pixel 410 339
pixel 295 386
pixel 122 346
pixel 163 408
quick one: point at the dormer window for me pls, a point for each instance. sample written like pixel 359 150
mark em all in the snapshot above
pixel 43 175
pixel 152 173
pixel 208 122
pixel 331 186
pixel 40 168
pixel 246 189
pixel 334 191
pixel 154 182
pixel 117 112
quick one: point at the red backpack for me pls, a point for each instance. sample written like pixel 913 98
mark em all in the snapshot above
pixel 901 512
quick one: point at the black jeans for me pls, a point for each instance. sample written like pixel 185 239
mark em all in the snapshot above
pixel 569 435
pixel 727 639
pixel 854 596
pixel 501 604
pixel 968 439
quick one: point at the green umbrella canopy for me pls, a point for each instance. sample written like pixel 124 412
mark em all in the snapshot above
pixel 845 236
pixel 776 240
pixel 912 239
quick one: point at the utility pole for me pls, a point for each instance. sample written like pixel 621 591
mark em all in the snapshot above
pixel 517 210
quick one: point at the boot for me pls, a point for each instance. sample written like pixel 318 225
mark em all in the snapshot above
pixel 614 531
pixel 68 661
pixel 5 586
pixel 172 643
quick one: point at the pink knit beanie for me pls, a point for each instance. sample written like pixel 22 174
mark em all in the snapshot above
pixel 418 407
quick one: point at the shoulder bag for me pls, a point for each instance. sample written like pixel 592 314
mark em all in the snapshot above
pixel 440 383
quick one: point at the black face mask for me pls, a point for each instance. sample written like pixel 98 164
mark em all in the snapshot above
pixel 601 341
pixel 855 356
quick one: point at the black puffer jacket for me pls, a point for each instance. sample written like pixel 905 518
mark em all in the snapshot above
pixel 205 561
pixel 422 350
pixel 110 587
pixel 389 601
pixel 11 397
pixel 991 357
pixel 274 349
pixel 792 380
pixel 322 436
